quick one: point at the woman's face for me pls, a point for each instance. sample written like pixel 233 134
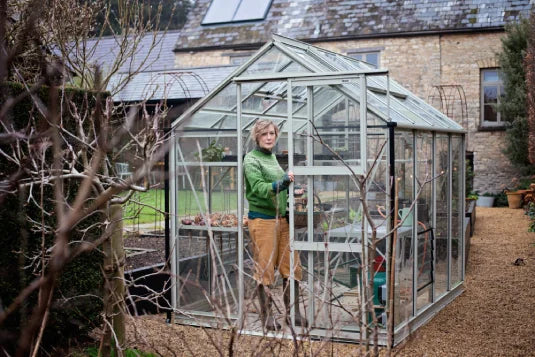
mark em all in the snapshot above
pixel 267 138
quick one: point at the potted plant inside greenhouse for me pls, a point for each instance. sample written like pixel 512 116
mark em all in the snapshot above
pixel 367 153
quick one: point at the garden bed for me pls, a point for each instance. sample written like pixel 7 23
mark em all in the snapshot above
pixel 148 250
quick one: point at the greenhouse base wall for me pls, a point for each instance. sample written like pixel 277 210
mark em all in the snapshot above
pixel 403 331
pixel 400 334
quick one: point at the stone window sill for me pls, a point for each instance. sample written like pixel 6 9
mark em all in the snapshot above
pixel 491 128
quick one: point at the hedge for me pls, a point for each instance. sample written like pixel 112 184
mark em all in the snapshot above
pixel 77 303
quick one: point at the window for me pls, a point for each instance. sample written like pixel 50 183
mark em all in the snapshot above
pixel 239 58
pixel 221 11
pixel 371 57
pixel 491 93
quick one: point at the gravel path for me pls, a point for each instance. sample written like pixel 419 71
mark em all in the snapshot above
pixel 495 316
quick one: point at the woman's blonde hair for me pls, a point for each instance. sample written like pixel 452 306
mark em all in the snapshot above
pixel 260 126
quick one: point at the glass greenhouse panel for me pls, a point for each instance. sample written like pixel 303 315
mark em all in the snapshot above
pixel 442 196
pixel 424 210
pixel 337 212
pixel 457 214
pixel 380 82
pixel 214 192
pixel 310 62
pixel 341 63
pixel 404 166
pixel 376 148
pixel 207 260
pixel 335 294
pixel 271 103
pixel 324 99
pixel 208 146
pixel 206 286
pixel 225 99
pixel 416 118
pixel 205 120
pixel 374 120
pixel 377 196
pixel 335 127
pixel 272 61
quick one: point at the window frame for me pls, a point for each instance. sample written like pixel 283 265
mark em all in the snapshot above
pixel 500 90
pixel 364 52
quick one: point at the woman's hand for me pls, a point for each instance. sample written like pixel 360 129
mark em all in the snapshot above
pixel 291 176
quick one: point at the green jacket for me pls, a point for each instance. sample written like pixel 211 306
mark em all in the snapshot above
pixel 263 178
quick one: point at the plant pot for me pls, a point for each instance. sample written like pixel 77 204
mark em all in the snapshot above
pixel 485 201
pixel 514 199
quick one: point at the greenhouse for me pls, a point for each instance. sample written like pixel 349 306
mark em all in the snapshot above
pixel 382 213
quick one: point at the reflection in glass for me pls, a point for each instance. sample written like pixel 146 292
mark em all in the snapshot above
pixel 212 147
pixel 207 261
pixel 441 232
pixel 424 206
pixel 404 253
pixel 457 216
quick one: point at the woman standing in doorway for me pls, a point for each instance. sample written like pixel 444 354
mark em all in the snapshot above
pixel 266 191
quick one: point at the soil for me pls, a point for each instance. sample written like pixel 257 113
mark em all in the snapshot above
pixel 137 258
pixel 493 317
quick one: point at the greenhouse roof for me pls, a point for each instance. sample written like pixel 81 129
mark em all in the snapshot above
pixel 283 60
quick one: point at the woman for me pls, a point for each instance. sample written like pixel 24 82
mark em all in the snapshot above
pixel 266 190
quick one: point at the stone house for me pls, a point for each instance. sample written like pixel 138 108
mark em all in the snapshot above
pixel 443 51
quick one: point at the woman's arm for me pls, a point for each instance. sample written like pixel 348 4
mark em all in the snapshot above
pixel 259 187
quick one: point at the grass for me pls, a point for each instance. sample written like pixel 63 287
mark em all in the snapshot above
pixel 145 207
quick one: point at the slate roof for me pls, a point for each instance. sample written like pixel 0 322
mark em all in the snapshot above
pixel 319 20
pixel 103 52
pixel 174 84
pixel 157 78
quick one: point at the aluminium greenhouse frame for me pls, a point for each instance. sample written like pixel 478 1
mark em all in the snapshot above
pixel 382 98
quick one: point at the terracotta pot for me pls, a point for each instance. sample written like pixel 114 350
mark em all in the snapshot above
pixel 514 199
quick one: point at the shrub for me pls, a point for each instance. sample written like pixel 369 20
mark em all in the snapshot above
pixel 513 105
pixel 76 304
pixel 530 212
pixel 501 200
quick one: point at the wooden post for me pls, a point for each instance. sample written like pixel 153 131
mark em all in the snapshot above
pixel 114 289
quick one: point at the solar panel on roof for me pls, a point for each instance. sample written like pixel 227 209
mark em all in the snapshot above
pixel 221 11
pixel 251 10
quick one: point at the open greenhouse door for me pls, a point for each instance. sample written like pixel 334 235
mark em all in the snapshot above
pixel 327 223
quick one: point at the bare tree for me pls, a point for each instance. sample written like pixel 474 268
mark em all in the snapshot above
pixel 70 143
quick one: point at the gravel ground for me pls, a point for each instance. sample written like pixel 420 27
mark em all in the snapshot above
pixel 493 317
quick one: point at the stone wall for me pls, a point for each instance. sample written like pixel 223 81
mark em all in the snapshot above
pixel 207 58
pixel 419 63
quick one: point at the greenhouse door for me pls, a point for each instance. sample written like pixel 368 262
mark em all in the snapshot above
pixel 326 222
